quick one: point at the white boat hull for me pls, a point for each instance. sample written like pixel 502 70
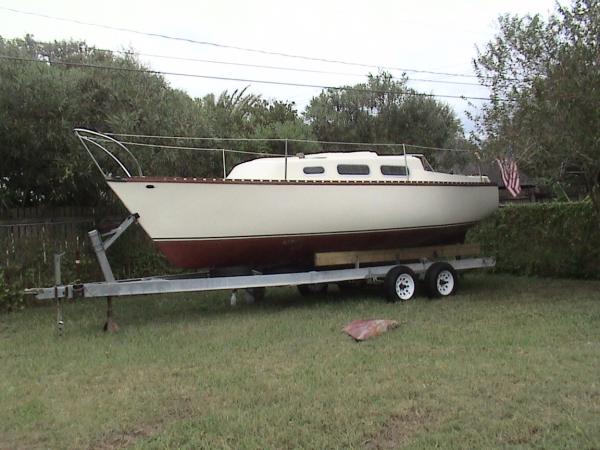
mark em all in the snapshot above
pixel 211 223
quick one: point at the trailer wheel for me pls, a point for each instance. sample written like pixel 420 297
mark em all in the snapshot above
pixel 309 290
pixel 441 280
pixel 400 284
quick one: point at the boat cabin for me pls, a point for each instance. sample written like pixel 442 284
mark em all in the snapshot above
pixel 361 166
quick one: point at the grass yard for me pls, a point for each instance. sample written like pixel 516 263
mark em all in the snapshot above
pixel 510 362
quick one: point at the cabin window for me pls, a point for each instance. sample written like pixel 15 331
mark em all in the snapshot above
pixel 426 164
pixel 394 170
pixel 313 170
pixel 353 169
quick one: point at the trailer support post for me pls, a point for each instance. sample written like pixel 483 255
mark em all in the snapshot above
pixel 100 248
pixel 100 251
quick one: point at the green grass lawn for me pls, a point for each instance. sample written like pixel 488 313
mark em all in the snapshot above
pixel 509 362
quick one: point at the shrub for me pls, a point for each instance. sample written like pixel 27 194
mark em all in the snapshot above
pixel 11 293
pixel 546 239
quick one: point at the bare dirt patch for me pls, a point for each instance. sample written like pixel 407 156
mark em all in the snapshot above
pixel 118 440
pixel 399 429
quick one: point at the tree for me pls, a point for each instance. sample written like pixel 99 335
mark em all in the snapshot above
pixel 545 82
pixel 383 110
pixel 242 115
pixel 42 101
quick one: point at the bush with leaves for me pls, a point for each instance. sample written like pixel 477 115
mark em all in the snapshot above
pixel 12 297
pixel 546 239
pixel 545 104
pixel 41 101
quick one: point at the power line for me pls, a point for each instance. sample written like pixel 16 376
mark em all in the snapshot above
pixel 264 66
pixel 232 47
pixel 291 69
pixel 244 80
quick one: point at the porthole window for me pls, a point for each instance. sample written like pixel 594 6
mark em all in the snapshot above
pixel 394 170
pixel 353 169
pixel 313 170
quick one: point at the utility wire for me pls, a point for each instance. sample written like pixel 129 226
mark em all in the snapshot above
pixel 290 69
pixel 264 66
pixel 232 47
pixel 244 80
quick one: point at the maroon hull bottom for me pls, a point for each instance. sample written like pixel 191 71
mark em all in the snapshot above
pixel 298 250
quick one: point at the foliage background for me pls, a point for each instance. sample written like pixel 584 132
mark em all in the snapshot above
pixel 544 111
pixel 543 239
pixel 41 101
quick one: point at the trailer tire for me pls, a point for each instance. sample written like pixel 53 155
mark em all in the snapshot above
pixel 441 280
pixel 313 289
pixel 400 284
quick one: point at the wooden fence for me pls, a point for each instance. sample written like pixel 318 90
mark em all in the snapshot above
pixel 30 236
pixel 25 224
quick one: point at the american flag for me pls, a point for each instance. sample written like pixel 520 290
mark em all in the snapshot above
pixel 510 175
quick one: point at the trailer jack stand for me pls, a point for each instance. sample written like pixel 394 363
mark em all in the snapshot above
pixel 60 324
pixel 110 325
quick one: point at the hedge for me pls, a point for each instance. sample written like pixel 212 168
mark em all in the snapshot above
pixel 545 239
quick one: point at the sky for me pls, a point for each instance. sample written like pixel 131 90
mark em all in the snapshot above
pixel 434 35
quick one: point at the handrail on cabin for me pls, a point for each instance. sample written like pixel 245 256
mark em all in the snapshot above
pixel 92 137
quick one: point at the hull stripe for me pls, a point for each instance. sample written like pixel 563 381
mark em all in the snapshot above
pixel 168 180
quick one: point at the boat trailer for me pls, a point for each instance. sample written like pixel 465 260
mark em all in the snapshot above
pixel 437 269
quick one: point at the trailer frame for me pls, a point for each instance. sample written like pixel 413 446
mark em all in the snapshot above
pixel 199 282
